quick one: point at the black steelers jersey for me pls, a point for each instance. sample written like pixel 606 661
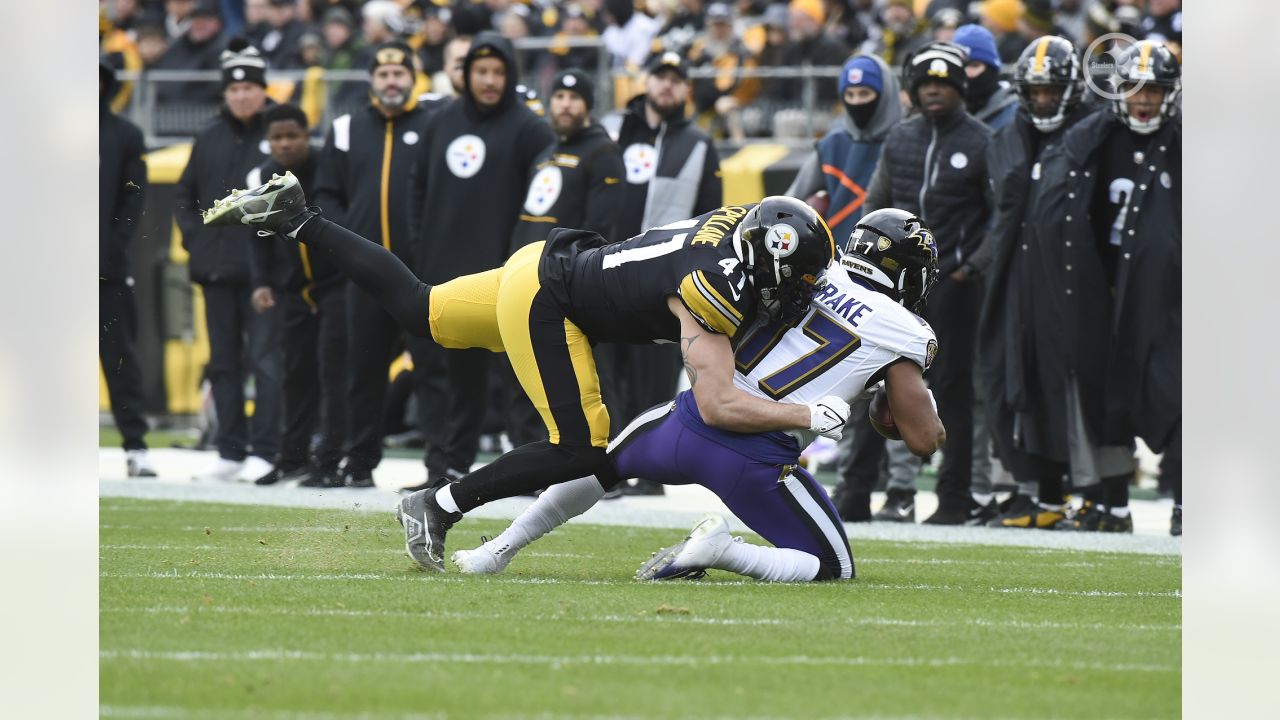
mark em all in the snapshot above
pixel 618 292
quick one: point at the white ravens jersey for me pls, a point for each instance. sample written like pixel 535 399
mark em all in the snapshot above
pixel 838 348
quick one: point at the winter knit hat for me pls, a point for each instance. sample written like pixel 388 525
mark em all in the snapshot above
pixel 813 8
pixel 241 62
pixel 980 43
pixel 937 61
pixel 861 71
pixel 576 81
pixel 392 53
pixel 1003 14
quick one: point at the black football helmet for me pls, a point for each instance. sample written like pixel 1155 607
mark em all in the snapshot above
pixel 1049 61
pixel 788 246
pixel 895 251
pixel 1149 62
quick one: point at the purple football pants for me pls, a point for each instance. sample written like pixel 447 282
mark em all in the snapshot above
pixel 754 475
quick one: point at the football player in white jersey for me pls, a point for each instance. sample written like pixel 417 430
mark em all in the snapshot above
pixel 861 331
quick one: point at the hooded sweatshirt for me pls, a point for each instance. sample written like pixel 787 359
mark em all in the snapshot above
pixel 469 181
pixel 843 162
pixel 122 181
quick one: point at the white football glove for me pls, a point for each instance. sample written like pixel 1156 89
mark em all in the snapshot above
pixel 828 416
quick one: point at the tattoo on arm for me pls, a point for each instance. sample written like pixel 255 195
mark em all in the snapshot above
pixel 690 370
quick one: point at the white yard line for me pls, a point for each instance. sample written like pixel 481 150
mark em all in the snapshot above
pixel 680 508
pixel 563 661
pixel 646 617
pixel 176 574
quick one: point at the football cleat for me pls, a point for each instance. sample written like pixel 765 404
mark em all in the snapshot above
pixel 899 507
pixel 488 559
pixel 1114 524
pixel 980 514
pixel 425 525
pixel 1175 522
pixel 1084 519
pixel 358 478
pixel 692 556
pixel 138 464
pixel 1027 513
pixel 223 470
pixel 278 206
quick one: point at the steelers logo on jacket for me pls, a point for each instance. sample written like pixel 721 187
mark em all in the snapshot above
pixel 465 156
pixel 641 161
pixel 544 191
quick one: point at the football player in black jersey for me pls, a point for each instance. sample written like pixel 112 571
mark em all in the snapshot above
pixel 695 282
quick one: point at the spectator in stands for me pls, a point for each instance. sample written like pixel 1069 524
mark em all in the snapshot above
pixel 1001 18
pixel 344 50
pixel 1071 16
pixel 934 164
pixel 574 24
pixel 1037 21
pixel 629 34
pixel 197 48
pixel 223 154
pixel 686 23
pixel 310 291
pixel 851 22
pixel 1163 22
pixel 177 17
pixel 432 36
pixel 280 44
pixel 122 181
pixel 256 25
pixel 808 45
pixel 670 180
pixel 469 182
pixel 383 22
pixel 943 24
pixel 988 98
pixel 448 83
pixel 364 179
pixel 716 100
pixel 152 44
pixel 903 33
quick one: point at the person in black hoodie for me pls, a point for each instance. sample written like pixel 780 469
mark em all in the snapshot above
pixel 311 294
pixel 363 179
pixel 673 172
pixel 468 184
pixel 223 154
pixel 197 49
pixel 577 183
pixel 122 181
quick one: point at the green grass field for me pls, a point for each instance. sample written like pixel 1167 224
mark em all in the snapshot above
pixel 244 611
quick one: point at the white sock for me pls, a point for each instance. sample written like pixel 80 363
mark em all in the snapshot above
pixel 553 508
pixel 1120 512
pixel 982 498
pixel 768 563
pixel 444 498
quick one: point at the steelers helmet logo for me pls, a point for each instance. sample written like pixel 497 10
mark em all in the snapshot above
pixel 544 191
pixel 465 156
pixel 781 240
pixel 641 161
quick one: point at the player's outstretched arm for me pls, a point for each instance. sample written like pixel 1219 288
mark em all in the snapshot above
pixel 708 361
pixel 913 409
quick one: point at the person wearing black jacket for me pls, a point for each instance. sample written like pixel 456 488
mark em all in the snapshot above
pixel 1050 87
pixel 363 179
pixel 122 181
pixel 577 183
pixel 223 154
pixel 673 172
pixel 1105 259
pixel 934 164
pixel 466 191
pixel 311 293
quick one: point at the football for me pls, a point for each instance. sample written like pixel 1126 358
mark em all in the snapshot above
pixel 882 417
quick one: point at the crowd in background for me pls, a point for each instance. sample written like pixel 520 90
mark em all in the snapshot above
pixel 391 166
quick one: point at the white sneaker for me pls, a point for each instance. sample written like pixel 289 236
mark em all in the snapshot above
pixel 138 464
pixel 484 560
pixel 224 470
pixel 692 556
pixel 254 468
